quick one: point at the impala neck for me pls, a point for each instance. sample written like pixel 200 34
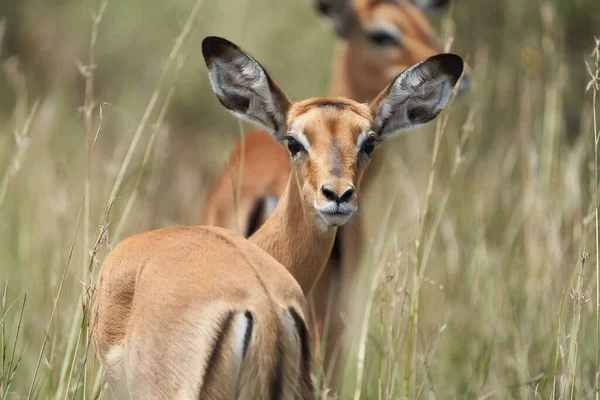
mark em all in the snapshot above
pixel 292 238
pixel 355 75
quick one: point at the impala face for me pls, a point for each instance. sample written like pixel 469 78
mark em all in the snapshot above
pixel 395 34
pixel 330 140
pixel 330 143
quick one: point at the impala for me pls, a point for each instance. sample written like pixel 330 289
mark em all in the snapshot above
pixel 380 39
pixel 202 313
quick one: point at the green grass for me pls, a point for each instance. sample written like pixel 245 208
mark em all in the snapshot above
pixel 482 274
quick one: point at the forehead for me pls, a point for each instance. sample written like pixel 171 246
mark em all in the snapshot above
pixel 323 118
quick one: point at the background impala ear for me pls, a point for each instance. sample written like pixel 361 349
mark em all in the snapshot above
pixel 244 87
pixel 417 95
pixel 431 5
pixel 340 12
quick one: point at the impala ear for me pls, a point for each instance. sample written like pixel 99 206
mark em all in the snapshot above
pixel 417 95
pixel 340 13
pixel 244 87
pixel 431 5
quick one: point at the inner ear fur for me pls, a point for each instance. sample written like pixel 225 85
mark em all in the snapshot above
pixel 417 95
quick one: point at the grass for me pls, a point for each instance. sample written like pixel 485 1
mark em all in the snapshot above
pixel 482 276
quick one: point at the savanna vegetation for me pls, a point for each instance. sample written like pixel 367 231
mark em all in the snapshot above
pixel 482 275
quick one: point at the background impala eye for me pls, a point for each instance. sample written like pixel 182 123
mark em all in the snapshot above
pixel 294 146
pixel 383 38
pixel 368 146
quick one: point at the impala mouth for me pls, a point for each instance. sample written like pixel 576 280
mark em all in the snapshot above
pixel 335 214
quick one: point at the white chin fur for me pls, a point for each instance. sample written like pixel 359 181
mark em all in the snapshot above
pixel 334 215
pixel 335 220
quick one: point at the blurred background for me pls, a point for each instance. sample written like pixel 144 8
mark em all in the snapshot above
pixel 508 295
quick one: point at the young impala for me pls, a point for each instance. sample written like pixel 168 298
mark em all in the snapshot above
pixel 381 38
pixel 202 313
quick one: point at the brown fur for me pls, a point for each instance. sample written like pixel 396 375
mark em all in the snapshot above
pixel 359 73
pixel 163 306
pixel 321 102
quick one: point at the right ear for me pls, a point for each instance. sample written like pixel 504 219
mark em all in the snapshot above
pixel 340 12
pixel 416 96
pixel 244 87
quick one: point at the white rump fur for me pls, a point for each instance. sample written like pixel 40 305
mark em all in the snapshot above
pixel 241 78
pixel 115 361
pixel 415 97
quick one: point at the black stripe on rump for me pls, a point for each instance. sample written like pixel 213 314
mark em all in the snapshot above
pixel 304 347
pixel 277 380
pixel 216 349
pixel 248 335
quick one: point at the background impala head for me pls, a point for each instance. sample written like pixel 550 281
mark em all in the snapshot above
pixel 330 140
pixel 384 37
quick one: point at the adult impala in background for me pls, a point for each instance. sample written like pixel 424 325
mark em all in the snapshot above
pixel 379 39
pixel 202 313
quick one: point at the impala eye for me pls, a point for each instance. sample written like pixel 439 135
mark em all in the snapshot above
pixel 383 38
pixel 368 146
pixel 294 146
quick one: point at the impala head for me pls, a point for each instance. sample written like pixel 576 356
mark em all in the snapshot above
pixel 330 140
pixel 393 34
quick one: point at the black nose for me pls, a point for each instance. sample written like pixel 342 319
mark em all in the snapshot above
pixel 331 195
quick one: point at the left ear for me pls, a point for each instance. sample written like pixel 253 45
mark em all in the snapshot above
pixel 431 5
pixel 416 96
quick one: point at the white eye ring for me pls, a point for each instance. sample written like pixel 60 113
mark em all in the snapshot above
pixel 300 138
pixel 368 146
pixel 362 138
pixel 294 146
